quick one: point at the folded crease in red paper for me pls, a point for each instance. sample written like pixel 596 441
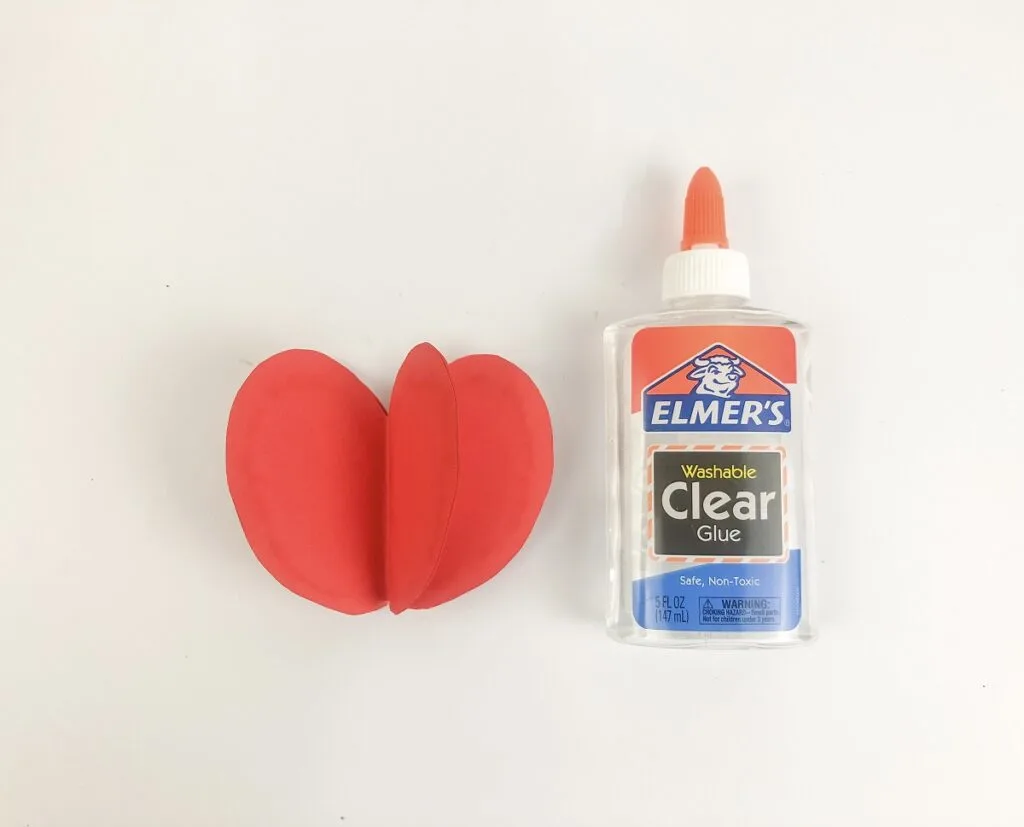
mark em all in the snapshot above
pixel 353 507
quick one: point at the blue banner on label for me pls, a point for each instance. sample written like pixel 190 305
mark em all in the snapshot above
pixel 719 597
pixel 742 412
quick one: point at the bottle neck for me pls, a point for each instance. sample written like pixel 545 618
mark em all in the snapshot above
pixel 709 302
pixel 711 272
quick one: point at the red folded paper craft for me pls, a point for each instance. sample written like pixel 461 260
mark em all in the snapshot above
pixel 352 507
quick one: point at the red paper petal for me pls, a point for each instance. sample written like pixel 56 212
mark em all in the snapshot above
pixel 422 470
pixel 304 445
pixel 506 460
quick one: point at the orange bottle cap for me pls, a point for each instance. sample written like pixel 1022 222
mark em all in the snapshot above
pixel 704 213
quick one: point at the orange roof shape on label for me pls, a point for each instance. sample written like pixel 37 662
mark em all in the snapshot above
pixel 748 377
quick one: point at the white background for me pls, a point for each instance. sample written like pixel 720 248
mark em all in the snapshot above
pixel 186 188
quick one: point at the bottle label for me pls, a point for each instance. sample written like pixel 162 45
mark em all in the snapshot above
pixel 714 407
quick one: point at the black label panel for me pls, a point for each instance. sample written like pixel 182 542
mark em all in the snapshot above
pixel 718 503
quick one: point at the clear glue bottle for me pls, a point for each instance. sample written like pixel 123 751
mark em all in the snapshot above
pixel 708 490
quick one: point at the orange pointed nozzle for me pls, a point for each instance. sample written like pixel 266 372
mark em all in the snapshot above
pixel 704 213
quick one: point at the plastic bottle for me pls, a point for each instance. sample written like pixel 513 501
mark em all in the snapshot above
pixel 709 510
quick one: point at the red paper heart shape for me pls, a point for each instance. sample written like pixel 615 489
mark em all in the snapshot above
pixel 346 506
pixel 305 443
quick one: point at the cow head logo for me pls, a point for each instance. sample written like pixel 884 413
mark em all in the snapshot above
pixel 719 375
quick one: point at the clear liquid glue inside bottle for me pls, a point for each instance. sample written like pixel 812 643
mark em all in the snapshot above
pixel 709 509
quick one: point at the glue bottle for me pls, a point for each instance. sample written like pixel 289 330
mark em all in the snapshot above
pixel 708 491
